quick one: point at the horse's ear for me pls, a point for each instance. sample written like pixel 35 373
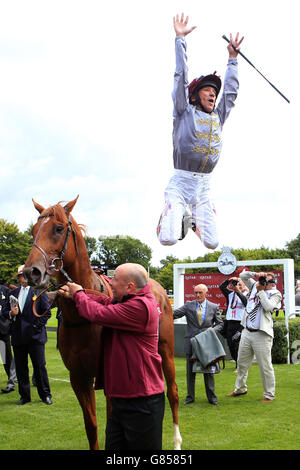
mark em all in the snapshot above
pixel 38 207
pixel 69 207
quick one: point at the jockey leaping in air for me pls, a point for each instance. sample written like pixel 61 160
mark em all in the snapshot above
pixel 196 143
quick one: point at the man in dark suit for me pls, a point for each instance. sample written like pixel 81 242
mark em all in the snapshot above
pixel 29 336
pixel 8 360
pixel 200 314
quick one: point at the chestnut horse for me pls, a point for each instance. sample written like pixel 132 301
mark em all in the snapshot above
pixel 59 250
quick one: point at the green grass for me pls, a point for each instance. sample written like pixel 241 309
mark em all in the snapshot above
pixel 238 423
pixel 52 320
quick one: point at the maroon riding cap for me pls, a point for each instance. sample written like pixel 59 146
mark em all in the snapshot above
pixel 209 80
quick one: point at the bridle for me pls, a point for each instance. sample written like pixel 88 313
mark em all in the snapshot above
pixel 53 264
pixel 56 264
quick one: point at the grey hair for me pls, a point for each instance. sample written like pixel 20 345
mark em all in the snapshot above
pixel 203 286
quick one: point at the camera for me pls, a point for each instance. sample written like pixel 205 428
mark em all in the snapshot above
pixel 234 282
pixel 262 280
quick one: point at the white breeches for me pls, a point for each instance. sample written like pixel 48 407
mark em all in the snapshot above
pixel 188 188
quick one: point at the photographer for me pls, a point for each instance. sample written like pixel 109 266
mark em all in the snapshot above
pixel 257 335
pixel 235 292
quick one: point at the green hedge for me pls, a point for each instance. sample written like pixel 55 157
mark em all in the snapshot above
pixel 280 345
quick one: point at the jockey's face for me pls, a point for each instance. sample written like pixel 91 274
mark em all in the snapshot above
pixel 208 97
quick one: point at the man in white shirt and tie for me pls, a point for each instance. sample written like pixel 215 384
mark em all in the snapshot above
pixel 28 334
pixel 23 295
pixel 200 314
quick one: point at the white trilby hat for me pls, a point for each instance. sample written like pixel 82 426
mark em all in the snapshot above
pixel 20 269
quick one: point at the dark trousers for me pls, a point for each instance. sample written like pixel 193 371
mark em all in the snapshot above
pixel 209 382
pixel 8 362
pixel 135 423
pixel 36 351
pixel 232 327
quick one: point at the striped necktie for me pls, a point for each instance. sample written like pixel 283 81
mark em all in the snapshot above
pixel 252 314
pixel 199 315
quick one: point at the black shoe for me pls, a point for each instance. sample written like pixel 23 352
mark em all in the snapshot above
pixel 214 403
pixel 187 222
pixel 183 230
pixel 47 400
pixel 7 389
pixel 188 401
pixel 23 401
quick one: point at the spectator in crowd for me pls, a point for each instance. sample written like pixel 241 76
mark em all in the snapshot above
pixel 5 345
pixel 235 292
pixel 28 333
pixel 200 314
pixel 133 377
pixel 257 335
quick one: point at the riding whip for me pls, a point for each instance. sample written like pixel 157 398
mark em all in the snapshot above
pixel 244 57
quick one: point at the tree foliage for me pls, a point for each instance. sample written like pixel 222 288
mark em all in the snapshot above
pixel 293 250
pixel 119 249
pixel 165 275
pixel 112 251
pixel 14 249
pixel 91 246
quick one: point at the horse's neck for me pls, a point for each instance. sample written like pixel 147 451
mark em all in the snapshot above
pixel 79 269
pixel 81 274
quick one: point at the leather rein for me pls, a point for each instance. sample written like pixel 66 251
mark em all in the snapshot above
pixel 56 265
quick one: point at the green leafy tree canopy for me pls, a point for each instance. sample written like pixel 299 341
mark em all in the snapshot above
pixel 113 251
pixel 14 249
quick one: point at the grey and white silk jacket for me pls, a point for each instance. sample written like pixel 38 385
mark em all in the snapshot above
pixel 196 134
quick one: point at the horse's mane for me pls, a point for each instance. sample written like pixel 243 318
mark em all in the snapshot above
pixel 60 214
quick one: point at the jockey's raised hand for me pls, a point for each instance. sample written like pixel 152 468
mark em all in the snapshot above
pixel 236 43
pixel 181 25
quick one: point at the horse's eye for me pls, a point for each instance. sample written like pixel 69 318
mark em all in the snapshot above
pixel 59 229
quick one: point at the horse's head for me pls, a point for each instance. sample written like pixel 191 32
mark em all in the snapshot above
pixel 54 243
